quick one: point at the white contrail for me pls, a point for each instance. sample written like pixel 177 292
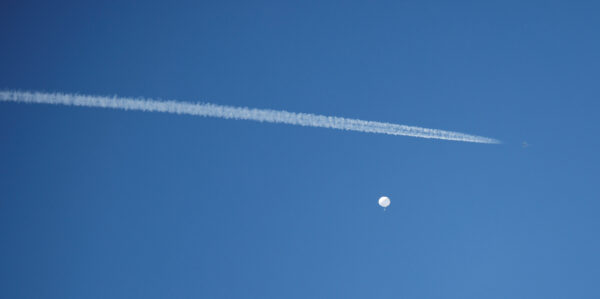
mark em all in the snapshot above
pixel 228 112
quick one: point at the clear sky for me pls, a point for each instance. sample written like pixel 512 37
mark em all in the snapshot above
pixel 111 204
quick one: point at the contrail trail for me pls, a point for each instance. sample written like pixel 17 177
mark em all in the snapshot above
pixel 241 113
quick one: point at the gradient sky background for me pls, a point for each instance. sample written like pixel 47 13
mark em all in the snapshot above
pixel 111 204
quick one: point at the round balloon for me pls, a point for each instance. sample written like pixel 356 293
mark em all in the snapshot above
pixel 384 201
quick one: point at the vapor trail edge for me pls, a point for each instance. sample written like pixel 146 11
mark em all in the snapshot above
pixel 240 113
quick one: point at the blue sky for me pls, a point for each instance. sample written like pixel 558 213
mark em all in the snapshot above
pixel 111 204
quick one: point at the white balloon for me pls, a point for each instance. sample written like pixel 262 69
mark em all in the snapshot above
pixel 384 201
